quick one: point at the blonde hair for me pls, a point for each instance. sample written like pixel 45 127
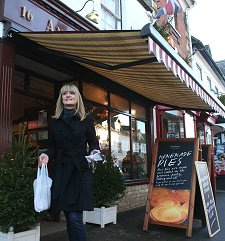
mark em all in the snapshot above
pixel 79 105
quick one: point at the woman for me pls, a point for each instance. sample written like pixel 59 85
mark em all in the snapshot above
pixel 71 130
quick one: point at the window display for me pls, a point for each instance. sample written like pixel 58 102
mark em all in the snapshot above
pixel 125 139
pixel 37 126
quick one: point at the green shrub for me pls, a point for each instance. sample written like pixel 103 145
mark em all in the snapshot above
pixel 18 169
pixel 222 99
pixel 108 184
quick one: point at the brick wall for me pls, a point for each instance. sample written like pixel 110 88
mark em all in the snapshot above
pixel 179 39
pixel 136 196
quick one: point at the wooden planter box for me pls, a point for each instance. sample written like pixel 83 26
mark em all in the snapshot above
pixel 101 216
pixel 30 235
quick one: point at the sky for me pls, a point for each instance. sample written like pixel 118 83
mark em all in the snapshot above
pixel 206 22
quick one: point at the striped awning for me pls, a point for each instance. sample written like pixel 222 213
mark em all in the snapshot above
pixel 145 66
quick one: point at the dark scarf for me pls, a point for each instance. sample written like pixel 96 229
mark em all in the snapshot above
pixel 67 113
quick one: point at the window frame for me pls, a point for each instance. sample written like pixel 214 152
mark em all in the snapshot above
pixel 117 17
pixel 130 116
pixel 199 71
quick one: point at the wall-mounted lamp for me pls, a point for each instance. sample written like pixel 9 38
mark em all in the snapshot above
pixel 93 15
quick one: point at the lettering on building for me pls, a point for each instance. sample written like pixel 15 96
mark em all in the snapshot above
pixel 27 14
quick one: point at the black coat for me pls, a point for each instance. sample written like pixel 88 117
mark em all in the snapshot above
pixel 72 188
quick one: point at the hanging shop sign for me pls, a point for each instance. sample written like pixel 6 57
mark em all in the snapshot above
pixel 28 15
pixel 33 17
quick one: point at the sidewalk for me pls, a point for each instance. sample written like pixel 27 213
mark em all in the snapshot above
pixel 129 228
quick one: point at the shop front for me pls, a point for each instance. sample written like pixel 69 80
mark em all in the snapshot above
pixel 121 83
pixel 219 150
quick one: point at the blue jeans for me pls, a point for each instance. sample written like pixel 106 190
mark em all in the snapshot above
pixel 75 226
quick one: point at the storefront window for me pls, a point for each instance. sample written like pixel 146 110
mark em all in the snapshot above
pixel 119 103
pixel 120 140
pixel 131 159
pixel 201 132
pixel 19 80
pixel 189 126
pixel 95 93
pixel 126 141
pixel 138 110
pixel 173 125
pixel 41 87
pixel 120 143
pixel 219 156
pixel 208 135
pixel 110 15
pixel 100 115
pixel 139 150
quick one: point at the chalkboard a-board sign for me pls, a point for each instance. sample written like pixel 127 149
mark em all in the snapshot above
pixel 207 198
pixel 205 155
pixel 172 183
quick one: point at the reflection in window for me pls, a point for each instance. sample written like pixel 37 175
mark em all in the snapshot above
pixel 189 126
pixel 100 115
pixel 126 142
pixel 139 157
pixel 138 110
pixel 132 163
pixel 208 135
pixel 173 124
pixel 120 137
pixel 41 87
pixel 119 103
pixel 201 132
pixel 95 93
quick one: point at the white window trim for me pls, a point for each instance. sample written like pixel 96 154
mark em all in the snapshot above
pixel 114 15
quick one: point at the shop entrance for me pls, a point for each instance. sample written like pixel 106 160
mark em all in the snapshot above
pixel 33 100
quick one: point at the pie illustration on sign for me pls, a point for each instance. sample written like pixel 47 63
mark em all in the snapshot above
pixel 182 195
pixel 166 214
pixel 161 191
pixel 184 208
pixel 158 192
pixel 169 206
pixel 165 201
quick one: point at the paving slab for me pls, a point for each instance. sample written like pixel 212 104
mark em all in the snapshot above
pixel 129 227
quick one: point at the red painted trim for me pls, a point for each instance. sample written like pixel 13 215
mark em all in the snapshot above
pixel 7 58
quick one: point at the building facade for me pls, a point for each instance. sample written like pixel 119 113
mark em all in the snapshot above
pixel 134 95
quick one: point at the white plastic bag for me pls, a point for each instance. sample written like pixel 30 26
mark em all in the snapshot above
pixel 95 157
pixel 42 189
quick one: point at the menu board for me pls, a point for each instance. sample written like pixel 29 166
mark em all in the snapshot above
pixel 207 198
pixel 172 183
pixel 173 165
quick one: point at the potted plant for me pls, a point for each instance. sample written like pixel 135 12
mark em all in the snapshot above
pixel 108 188
pixel 18 168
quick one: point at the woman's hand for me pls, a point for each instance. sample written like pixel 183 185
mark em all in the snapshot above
pixel 95 151
pixel 43 159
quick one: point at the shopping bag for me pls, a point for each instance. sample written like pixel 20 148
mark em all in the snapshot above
pixel 42 189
